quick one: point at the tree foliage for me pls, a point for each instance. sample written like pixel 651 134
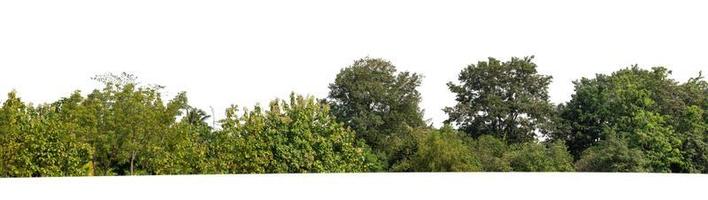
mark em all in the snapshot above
pixel 35 142
pixel 611 155
pixel 294 137
pixel 538 157
pixel 447 150
pixel 654 114
pixel 443 150
pixel 632 120
pixel 378 103
pixel 506 99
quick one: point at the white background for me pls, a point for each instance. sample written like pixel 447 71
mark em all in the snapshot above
pixel 248 52
pixel 371 186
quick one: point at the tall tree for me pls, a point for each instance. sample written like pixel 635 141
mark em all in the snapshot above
pixel 647 109
pixel 378 103
pixel 505 99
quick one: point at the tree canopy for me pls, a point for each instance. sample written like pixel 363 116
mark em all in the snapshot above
pixel 295 136
pixel 632 120
pixel 506 99
pixel 378 103
pixel 646 111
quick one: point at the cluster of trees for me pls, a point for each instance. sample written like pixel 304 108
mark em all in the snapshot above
pixel 633 120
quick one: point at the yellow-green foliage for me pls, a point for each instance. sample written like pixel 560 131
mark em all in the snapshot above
pixel 293 136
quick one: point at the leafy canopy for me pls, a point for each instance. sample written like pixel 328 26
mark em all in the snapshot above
pixel 296 136
pixel 505 99
pixel 378 103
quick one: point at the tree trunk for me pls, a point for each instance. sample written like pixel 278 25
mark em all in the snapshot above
pixel 93 158
pixel 132 161
pixel 93 165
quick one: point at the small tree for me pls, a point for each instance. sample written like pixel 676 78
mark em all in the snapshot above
pixel 490 151
pixel 611 155
pixel 537 157
pixel 443 150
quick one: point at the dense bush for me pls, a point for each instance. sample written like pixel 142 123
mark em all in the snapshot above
pixel 443 150
pixel 293 137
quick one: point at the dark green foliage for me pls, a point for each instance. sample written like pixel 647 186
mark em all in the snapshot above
pixel 505 99
pixel 378 103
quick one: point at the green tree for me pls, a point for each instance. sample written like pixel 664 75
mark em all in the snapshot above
pixel 611 155
pixel 293 137
pixel 378 103
pixel 196 117
pixel 36 143
pixel 443 150
pixel 652 112
pixel 13 119
pixel 606 101
pixel 505 99
pixel 692 123
pixel 658 142
pixel 490 151
pixel 132 131
pixel 539 157
pixel 693 129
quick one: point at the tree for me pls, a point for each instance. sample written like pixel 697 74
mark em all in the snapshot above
pixel 647 109
pixel 195 116
pixel 442 150
pixel 490 151
pixel 633 120
pixel 13 118
pixel 607 101
pixel 693 129
pixel 378 103
pixel 658 142
pixel 293 137
pixel 180 150
pixel 611 155
pixel 537 157
pixel 131 130
pixel 505 99
pixel 692 124
pixel 36 143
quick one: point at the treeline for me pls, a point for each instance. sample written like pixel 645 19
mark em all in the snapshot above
pixel 633 120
